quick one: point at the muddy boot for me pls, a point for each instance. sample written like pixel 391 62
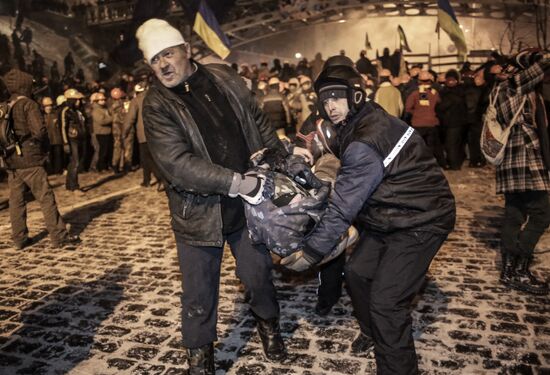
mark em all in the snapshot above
pixel 523 280
pixel 508 268
pixel 201 360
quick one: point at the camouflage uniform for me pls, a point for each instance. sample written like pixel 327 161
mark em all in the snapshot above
pixel 119 152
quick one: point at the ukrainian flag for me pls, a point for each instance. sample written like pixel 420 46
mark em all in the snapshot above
pixel 210 31
pixel 449 23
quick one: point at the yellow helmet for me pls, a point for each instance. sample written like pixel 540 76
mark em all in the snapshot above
pixel 273 81
pixel 60 100
pixel 47 101
pixel 73 94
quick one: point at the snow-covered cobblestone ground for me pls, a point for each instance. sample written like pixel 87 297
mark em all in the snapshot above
pixel 111 306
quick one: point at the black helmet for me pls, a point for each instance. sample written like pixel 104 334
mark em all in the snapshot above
pixel 337 78
pixel 338 60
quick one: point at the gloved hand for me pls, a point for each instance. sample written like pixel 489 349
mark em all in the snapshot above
pixel 301 172
pixel 252 188
pixel 66 148
pixel 298 261
pixel 303 152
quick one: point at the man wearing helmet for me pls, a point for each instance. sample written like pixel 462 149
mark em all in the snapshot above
pixel 103 128
pixel 275 106
pixel 73 130
pixel 391 188
pixel 121 157
pixel 54 135
pixel 308 99
pixel 202 124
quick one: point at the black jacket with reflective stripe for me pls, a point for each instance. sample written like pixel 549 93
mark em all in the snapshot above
pixel 414 193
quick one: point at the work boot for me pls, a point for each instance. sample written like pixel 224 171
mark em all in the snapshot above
pixel 523 280
pixel 323 308
pixel 272 341
pixel 362 344
pixel 20 245
pixel 508 268
pixel 68 240
pixel 201 360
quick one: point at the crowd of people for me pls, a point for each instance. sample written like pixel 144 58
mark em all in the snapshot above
pixel 393 129
pixel 446 108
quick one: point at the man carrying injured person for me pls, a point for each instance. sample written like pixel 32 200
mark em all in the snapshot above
pixel 392 189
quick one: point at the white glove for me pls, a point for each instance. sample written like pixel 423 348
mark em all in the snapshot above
pixel 251 188
pixel 303 152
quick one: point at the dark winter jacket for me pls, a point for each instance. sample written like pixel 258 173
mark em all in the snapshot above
pixel 73 124
pixel 27 122
pixel 452 110
pixel 275 106
pixel 472 94
pixel 135 117
pixel 411 192
pixel 54 129
pixel 195 183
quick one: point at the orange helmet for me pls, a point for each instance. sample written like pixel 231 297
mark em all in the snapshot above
pixel 47 101
pixel 117 93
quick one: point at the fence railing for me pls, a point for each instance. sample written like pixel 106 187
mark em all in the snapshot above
pixel 442 63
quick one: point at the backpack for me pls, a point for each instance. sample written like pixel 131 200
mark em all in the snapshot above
pixel 9 142
pixel 493 137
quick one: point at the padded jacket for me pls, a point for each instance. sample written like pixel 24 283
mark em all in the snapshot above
pixel 195 183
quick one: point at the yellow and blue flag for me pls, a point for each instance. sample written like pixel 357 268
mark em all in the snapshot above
pixel 208 28
pixel 449 23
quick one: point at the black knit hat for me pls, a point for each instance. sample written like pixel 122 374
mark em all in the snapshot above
pixel 452 73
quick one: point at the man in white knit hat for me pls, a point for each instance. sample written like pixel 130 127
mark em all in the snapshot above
pixel 202 124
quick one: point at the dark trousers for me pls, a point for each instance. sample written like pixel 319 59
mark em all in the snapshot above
pixel 331 278
pixel 147 163
pixel 433 141
pixel 474 147
pixel 530 206
pixel 77 150
pixel 454 146
pixel 105 142
pixel 57 159
pixel 200 269
pixel 36 180
pixel 383 275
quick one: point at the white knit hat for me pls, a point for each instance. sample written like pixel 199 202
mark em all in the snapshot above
pixel 154 35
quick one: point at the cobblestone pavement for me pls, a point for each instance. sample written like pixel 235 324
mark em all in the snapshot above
pixel 111 306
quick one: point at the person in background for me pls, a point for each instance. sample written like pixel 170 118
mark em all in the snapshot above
pixel 118 112
pixel 134 118
pixel 53 127
pixel 103 129
pixel 388 96
pixel 523 176
pixel 25 165
pixel 73 131
pixel 276 108
pixel 420 106
pixel 452 112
